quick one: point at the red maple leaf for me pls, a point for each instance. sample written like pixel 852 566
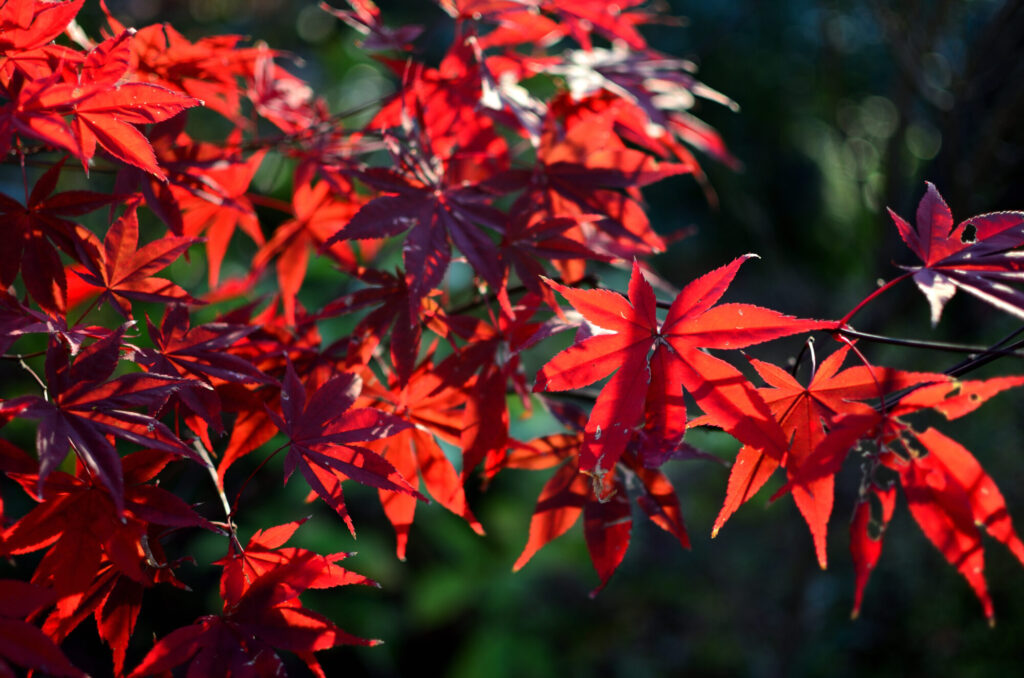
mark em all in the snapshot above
pixel 204 356
pixel 29 24
pixel 979 255
pixel 435 412
pixel 97 562
pixel 590 171
pixel 870 519
pixel 805 414
pixel 529 241
pixel 318 214
pixel 631 331
pixel 396 318
pixel 85 407
pixel 123 271
pixel 322 432
pixel 605 506
pixel 208 69
pixel 105 107
pixel 437 212
pixel 33 113
pixel 950 495
pixel 22 643
pixel 264 553
pixel 40 228
pixel 261 612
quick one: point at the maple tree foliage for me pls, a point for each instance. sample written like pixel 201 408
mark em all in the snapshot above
pixel 464 164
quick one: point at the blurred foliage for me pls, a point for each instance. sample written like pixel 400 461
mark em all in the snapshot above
pixel 846 108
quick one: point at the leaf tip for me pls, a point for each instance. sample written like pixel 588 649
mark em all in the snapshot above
pixel 523 559
pixel 714 531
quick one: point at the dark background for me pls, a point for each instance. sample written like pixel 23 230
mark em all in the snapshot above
pixel 846 108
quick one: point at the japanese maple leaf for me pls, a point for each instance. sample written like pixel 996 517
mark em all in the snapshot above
pixel 980 255
pixel 17 320
pixel 123 271
pixel 40 228
pixel 949 494
pixel 532 239
pixel 208 69
pixel 281 98
pixel 484 369
pixel 805 412
pixel 318 214
pixel 322 433
pixel 198 352
pixel 22 643
pixel 591 172
pixel 605 506
pixel 365 18
pixel 871 517
pixel 222 207
pixel 434 412
pixel 31 112
pixel 259 616
pixel 391 320
pixel 95 560
pixel 884 423
pixel 86 407
pixel 445 126
pixel 614 21
pixel 105 107
pixel 79 525
pixel 208 179
pixel 265 552
pixel 437 214
pixel 517 21
pixel 27 24
pixel 201 354
pixel 114 600
pixel 693 322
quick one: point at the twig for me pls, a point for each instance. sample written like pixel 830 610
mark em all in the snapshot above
pixel 931 345
pixel 229 521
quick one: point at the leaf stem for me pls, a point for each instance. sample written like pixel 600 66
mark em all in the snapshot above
pixel 846 318
pixel 238 495
pixel 88 310
pixel 808 347
pixel 272 203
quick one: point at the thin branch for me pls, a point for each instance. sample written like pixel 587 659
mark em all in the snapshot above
pixel 42 384
pixel 229 521
pixel 22 356
pixel 930 345
pixel 973 363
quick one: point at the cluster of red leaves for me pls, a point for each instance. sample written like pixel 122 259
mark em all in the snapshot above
pixel 463 163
